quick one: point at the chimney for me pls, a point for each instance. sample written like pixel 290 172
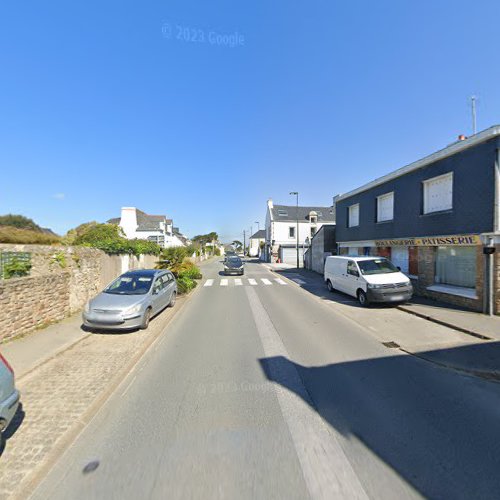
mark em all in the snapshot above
pixel 128 221
pixel 270 203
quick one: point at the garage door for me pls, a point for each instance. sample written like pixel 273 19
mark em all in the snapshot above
pixel 289 256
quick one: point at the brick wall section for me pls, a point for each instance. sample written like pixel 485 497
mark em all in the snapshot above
pixel 54 291
pixel 32 302
pixel 426 267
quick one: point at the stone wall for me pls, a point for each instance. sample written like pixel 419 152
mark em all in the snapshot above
pixel 32 302
pixel 62 279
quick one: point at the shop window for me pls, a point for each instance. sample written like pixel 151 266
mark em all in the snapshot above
pixel 413 261
pixel 385 207
pixel 456 266
pixel 438 193
pixel 354 215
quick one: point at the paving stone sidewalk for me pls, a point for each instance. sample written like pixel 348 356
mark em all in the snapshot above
pixel 58 393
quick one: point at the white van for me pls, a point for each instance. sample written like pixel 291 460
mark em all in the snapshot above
pixel 369 279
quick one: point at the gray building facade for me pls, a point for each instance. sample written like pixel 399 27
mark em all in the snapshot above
pixel 432 218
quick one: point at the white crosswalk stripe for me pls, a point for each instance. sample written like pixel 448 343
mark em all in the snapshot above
pixel 246 282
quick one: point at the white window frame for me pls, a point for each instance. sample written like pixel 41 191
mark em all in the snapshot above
pixel 380 199
pixel 350 224
pixel 426 185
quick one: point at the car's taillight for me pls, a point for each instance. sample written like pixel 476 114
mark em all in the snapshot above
pixel 6 363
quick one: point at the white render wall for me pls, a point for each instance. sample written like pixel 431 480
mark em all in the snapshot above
pixel 280 231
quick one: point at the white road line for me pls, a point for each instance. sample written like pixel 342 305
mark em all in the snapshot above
pixel 251 281
pixel 299 281
pixel 325 467
pixel 209 283
pixel 265 281
pixel 238 282
pixel 223 282
pixel 128 386
pixel 280 281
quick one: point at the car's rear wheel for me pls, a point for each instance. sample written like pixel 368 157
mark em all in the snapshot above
pixel 145 319
pixel 329 285
pixel 173 299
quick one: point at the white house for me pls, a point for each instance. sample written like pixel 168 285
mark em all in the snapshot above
pixel 281 230
pixel 256 239
pixel 137 224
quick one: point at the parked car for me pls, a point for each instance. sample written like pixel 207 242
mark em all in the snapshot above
pixel 9 395
pixel 369 279
pixel 131 300
pixel 233 265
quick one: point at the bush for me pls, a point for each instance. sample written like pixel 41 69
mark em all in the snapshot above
pixel 16 268
pixel 109 238
pixel 191 271
pixel 185 284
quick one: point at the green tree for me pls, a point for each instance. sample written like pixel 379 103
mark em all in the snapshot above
pixel 109 238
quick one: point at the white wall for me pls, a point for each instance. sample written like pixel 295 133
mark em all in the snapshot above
pixel 280 231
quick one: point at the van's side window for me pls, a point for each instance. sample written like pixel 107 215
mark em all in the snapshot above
pixel 352 268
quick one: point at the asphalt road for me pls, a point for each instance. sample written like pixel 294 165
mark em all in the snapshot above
pixel 260 390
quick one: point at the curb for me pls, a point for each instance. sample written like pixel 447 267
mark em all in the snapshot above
pixel 444 323
pixel 31 482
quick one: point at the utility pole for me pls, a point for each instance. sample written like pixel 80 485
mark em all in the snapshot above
pixel 473 100
pixel 244 242
pixel 296 193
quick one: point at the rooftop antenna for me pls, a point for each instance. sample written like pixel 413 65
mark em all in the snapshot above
pixel 473 100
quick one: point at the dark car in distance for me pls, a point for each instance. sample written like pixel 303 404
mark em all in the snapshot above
pixel 233 265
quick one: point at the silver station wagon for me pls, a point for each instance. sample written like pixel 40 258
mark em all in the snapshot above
pixel 131 300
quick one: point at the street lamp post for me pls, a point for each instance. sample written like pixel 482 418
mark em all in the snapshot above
pixel 296 193
pixel 258 242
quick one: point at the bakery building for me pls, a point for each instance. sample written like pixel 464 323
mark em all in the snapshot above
pixel 438 219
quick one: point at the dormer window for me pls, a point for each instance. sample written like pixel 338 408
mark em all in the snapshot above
pixel 282 213
pixel 313 217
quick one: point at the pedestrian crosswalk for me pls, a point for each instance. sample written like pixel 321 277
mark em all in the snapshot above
pixel 244 282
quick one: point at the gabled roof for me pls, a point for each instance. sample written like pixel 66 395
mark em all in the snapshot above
pixel 259 235
pixel 286 213
pixel 145 222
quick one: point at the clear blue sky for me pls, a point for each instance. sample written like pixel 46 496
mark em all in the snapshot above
pixel 100 109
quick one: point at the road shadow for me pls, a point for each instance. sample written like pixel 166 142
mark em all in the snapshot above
pixel 437 429
pixel 14 425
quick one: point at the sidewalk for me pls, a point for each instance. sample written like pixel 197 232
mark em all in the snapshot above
pixel 34 349
pixel 454 338
pixel 473 323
